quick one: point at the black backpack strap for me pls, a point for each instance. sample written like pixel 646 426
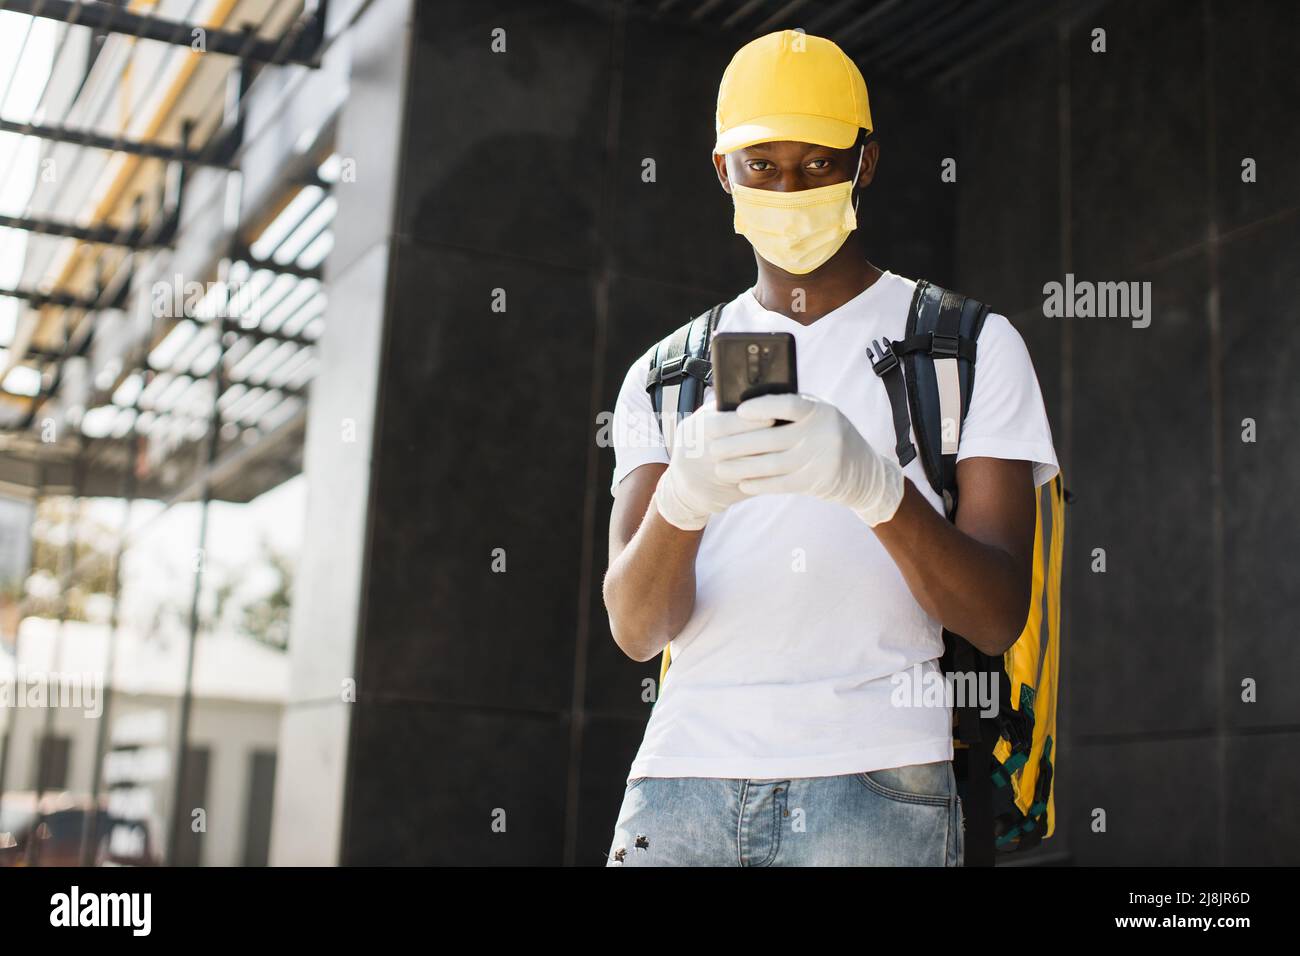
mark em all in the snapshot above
pixel 680 370
pixel 938 355
pixel 886 365
pixel 975 787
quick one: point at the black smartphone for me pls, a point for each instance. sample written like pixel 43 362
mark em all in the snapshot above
pixel 749 364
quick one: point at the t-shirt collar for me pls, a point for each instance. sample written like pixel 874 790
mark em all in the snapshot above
pixel 755 310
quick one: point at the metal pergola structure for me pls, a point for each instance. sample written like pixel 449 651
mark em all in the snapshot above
pixel 119 144
pixel 299 46
pixel 114 246
pixel 213 373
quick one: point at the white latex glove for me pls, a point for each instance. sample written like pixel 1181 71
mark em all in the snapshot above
pixel 819 453
pixel 690 490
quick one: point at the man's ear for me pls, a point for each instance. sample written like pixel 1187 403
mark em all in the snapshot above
pixel 870 159
pixel 720 167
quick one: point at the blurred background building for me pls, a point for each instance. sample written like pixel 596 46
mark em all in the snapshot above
pixel 309 312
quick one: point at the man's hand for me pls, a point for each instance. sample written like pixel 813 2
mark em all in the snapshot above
pixel 692 489
pixel 819 453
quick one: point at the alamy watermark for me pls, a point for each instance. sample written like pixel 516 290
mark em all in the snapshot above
pixel 179 299
pixel 67 691
pixel 927 687
pixel 74 908
pixel 1083 299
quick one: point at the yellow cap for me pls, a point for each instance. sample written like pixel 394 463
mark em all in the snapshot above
pixel 789 85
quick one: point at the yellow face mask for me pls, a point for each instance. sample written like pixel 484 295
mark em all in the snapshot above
pixel 797 231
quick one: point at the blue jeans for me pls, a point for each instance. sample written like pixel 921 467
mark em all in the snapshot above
pixel 903 816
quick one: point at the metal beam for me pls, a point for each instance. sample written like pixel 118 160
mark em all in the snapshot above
pixel 240 252
pixel 239 459
pixel 110 18
pixel 132 238
pixel 42 355
pixel 38 299
pixel 260 335
pixel 61 134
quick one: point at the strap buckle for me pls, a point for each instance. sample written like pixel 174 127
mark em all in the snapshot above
pixel 672 370
pixel 887 360
pixel 684 366
pixel 943 345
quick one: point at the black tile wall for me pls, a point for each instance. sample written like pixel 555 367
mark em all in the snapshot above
pixel 1142 447
pixel 483 440
pixel 1155 799
pixel 1008 185
pixel 678 227
pixel 1255 99
pixel 1138 135
pixel 450 786
pixel 1261 331
pixel 1008 232
pixel 505 151
pixel 1262 828
pixel 907 215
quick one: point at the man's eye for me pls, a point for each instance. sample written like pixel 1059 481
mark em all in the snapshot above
pixel 759 165
pixel 820 163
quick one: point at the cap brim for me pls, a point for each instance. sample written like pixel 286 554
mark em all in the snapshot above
pixel 798 127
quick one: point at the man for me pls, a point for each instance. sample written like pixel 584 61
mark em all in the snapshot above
pixel 798 571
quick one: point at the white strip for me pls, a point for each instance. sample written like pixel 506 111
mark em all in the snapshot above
pixel 668 414
pixel 945 371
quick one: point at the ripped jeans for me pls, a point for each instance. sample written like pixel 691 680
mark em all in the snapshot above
pixel 903 816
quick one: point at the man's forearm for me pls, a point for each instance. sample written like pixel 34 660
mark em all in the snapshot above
pixel 974 589
pixel 650 586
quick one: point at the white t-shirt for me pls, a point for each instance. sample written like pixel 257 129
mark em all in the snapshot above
pixel 801 617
